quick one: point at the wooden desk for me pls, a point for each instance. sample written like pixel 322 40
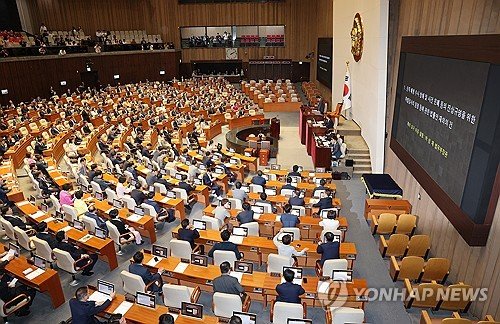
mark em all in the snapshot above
pixel 321 155
pixel 269 226
pixel 214 130
pixel 18 152
pixel 383 204
pixel 310 131
pixel 147 315
pixel 238 169
pixel 242 121
pixel 104 247
pixel 257 248
pixel 48 282
pixel 249 161
pixel 145 225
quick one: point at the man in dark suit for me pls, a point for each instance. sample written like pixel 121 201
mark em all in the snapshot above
pixel 160 211
pixel 288 184
pixel 295 171
pixel 259 179
pixel 321 186
pixel 43 234
pixel 123 228
pixel 137 194
pixel 296 200
pixel 101 223
pixel 188 233
pixel 225 245
pixel 325 202
pixel 288 219
pixel 321 105
pixel 208 181
pixel 186 186
pixel 93 170
pixel 328 250
pixel 100 181
pixel 39 146
pixel 8 292
pixel 76 254
pixel 227 284
pixel 138 269
pixel 83 310
pixel 329 122
pixel 8 215
pixel 289 292
pixel 246 215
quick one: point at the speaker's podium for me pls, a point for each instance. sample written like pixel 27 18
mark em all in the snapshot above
pixel 263 157
pixel 275 128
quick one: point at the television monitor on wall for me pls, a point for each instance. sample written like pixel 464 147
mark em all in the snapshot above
pixel 324 61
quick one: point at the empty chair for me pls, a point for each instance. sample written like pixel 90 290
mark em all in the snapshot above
pixel 129 202
pixel 212 222
pixel 70 213
pixel 89 223
pixel 457 298
pixel 287 192
pixel 341 315
pixel 383 224
pixel 256 188
pixel 133 283
pixel 119 240
pixel 330 265
pixel 281 312
pixel 225 304
pixel 65 262
pixel 23 239
pixel 222 256
pixel 406 224
pixel 395 246
pixel 111 195
pixel 419 245
pixel 253 228
pixel 181 249
pixel 9 229
pixel 408 268
pixel 42 248
pixel 436 269
pixel 429 299
pixel 174 295
pixel 13 305
pixel 275 263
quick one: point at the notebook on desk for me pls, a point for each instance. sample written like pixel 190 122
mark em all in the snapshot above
pixel 104 289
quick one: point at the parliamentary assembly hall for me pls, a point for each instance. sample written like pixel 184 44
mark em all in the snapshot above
pixel 249 161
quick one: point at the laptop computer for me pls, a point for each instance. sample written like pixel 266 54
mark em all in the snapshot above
pixel 139 211
pixel 259 210
pixel 101 233
pixel 242 266
pixel 192 310
pixel 159 251
pixel 117 204
pixel 171 194
pixel 246 318
pixel 245 189
pixel 201 260
pixel 146 300
pixel 199 225
pixel 39 262
pixel 104 289
pixel 295 211
pixel 240 231
pixel 270 191
pixel 99 196
pixel 298 275
pixel 342 275
pixel 78 225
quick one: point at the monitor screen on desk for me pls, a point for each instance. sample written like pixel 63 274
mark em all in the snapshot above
pixel 297 271
pixel 245 267
pixel 275 166
pixel 295 211
pixel 299 321
pixel 32 199
pixel 192 310
pixel 15 248
pixel 342 275
pixel 78 225
pixel 101 233
pixel 59 216
pixel 105 287
pixel 39 262
pixel 99 196
pixel 198 182
pixel 163 172
pixel 117 204
pixel 233 161
pixel 84 188
pixel 245 189
pixel 246 318
pixel 240 231
pixel 219 170
pixel 171 194
pixel 139 211
pixel 202 167
pixel 270 191
pixel 178 176
pixel 199 225
pixel 44 207
pixel 201 260
pixel 160 251
pixel 231 150
pixel 144 299
pixel 257 209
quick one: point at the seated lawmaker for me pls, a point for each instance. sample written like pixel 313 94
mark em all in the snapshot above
pixel 259 179
pixel 80 256
pixel 246 215
pixel 124 228
pixel 288 184
pixel 138 269
pixel 295 171
pixel 208 181
pixel 227 284
pixel 225 245
pixel 188 233
pixel 288 219
pixel 330 222
pixel 239 193
pixel 325 202
pixel 100 222
pixel 322 186
pixel 84 311
pixel 284 247
pixel 9 289
pixel 328 250
pixel 289 292
pixel 15 220
pixel 296 200
pixel 43 234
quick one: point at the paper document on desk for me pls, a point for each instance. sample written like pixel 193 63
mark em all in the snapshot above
pixel 37 214
pixel 60 178
pixel 99 297
pixel 123 307
pixel 256 216
pixel 48 219
pixel 237 275
pixel 85 238
pixel 134 218
pixel 65 229
pixel 153 262
pixel 33 274
pixel 181 267
pixel 313 201
pixel 22 203
pixel 165 200
pixel 236 239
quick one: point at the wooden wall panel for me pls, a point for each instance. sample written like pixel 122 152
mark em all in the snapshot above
pixel 31 77
pixel 479 266
pixel 324 29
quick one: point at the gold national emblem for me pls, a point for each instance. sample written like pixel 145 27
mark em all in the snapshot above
pixel 357 38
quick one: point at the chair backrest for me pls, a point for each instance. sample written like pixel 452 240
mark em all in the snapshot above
pixel 411 267
pixel 174 295
pixel 275 263
pixel 212 222
pixel 95 186
pixel 132 283
pixel 428 295
pixel 253 228
pixel 64 261
pixel 256 188
pixel 283 311
pixel 70 213
pixel 436 269
pixel 268 208
pixel 457 321
pixel 396 245
pixel 222 256
pixel 226 304
pixel 180 249
pixel 318 193
pixel 55 202
pixel 8 228
pixel 113 232
pixel 406 223
pixel 182 193
pixel 161 188
pixel 84 181
pixel 142 181
pixel 23 239
pixel 457 298
pixel 90 223
pixel 419 245
pixel 236 203
pixel 334 264
pixel 294 230
pixel 341 315
pixel 287 192
pixel 111 195
pixel 149 210
pixel 42 248
pixel 386 223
